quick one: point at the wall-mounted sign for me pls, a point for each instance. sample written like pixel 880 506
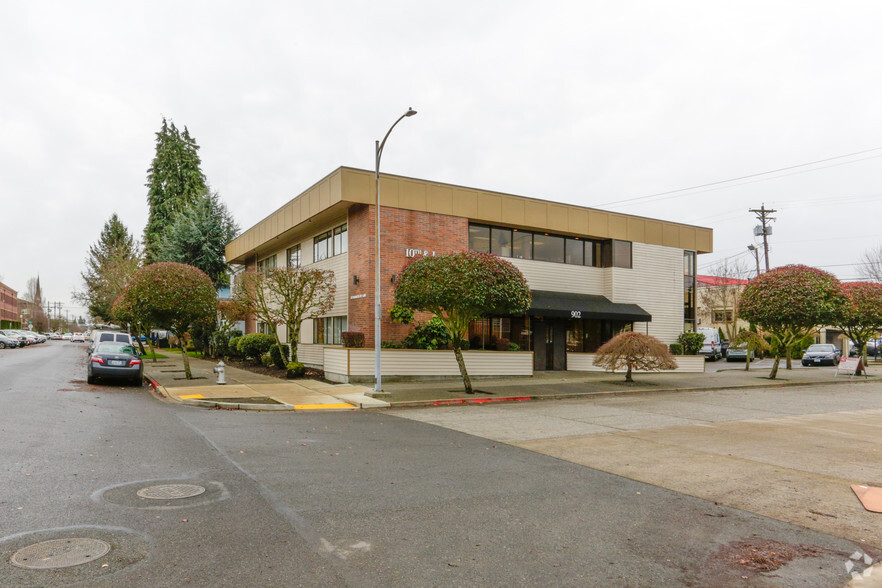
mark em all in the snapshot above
pixel 575 314
pixel 414 252
pixel 356 296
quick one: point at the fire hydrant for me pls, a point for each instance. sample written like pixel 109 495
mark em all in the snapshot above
pixel 219 369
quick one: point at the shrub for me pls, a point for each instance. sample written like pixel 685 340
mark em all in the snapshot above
pixel 431 335
pixel 236 333
pixel 254 345
pixel 676 349
pixel 402 315
pixel 233 346
pixel 352 339
pixel 392 345
pixel 295 370
pixel 279 355
pixel 514 347
pixel 691 342
pixel 266 360
pixel 502 344
pixel 476 343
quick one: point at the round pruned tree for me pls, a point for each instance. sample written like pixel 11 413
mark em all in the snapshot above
pixel 172 296
pixel 459 288
pixel 861 315
pixel 790 302
pixel 634 351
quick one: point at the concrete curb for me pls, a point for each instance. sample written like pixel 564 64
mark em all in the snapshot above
pixel 205 403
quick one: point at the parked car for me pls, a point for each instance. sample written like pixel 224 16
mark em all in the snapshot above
pixel 56 336
pixel 66 336
pixel 22 340
pixel 9 342
pixel 712 348
pixel 102 336
pixel 115 360
pixel 77 338
pixel 820 354
pixel 739 353
pixel 31 337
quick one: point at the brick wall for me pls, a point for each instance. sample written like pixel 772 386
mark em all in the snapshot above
pixel 400 230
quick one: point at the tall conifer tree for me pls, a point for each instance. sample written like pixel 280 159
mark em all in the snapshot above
pixel 111 262
pixel 174 183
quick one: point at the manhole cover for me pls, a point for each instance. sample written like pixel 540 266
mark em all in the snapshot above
pixel 60 553
pixel 171 491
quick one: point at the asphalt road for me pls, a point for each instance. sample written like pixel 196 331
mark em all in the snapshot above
pixel 340 499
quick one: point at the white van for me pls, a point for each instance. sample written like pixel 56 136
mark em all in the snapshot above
pixel 712 348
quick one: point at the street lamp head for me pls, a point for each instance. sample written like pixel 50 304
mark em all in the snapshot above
pixel 751 248
pixel 410 112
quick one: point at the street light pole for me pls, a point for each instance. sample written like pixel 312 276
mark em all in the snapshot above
pixel 378 302
pixel 755 252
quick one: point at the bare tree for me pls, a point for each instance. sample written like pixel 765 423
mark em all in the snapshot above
pixel 725 293
pixel 870 267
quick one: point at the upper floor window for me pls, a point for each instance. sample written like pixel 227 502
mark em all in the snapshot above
pixel 267 263
pixel 330 243
pixel 294 256
pixel 520 244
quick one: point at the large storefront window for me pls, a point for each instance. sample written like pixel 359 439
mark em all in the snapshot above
pixel 266 264
pixel 520 244
pixel 486 333
pixel 294 256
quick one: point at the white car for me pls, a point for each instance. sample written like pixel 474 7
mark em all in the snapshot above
pixel 77 338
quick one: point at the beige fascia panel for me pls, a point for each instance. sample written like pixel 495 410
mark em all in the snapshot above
pixel 345 186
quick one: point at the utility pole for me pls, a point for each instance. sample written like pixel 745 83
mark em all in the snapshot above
pixel 762 214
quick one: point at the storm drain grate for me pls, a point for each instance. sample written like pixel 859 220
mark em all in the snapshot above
pixel 171 491
pixel 60 553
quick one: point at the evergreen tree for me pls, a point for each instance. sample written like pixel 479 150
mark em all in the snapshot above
pixel 174 182
pixel 199 235
pixel 111 263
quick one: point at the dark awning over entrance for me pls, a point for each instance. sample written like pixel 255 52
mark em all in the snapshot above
pixel 586 306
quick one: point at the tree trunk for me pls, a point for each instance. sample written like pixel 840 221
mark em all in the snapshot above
pixel 747 360
pixel 774 372
pixel 294 335
pixel 140 344
pixel 788 351
pixel 186 357
pixel 152 350
pixel 628 377
pixel 457 351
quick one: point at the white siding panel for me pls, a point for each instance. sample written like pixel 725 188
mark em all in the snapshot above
pixel 311 355
pixel 563 277
pixel 336 360
pixel 584 362
pixel 656 284
pixel 418 362
pixel 339 264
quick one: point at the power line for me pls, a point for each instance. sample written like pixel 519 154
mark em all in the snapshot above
pixel 748 176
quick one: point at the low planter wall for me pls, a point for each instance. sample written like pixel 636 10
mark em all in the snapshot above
pixel 351 365
pixel 311 355
pixel 584 362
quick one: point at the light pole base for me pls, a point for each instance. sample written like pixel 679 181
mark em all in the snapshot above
pixel 378 394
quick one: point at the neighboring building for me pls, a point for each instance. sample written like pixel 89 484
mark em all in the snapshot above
pixel 592 273
pixel 9 315
pixel 717 301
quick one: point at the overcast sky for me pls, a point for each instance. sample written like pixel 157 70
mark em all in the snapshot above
pixel 593 103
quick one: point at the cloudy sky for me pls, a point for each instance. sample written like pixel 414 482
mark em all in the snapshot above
pixel 617 105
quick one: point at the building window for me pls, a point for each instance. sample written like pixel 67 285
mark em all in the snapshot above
pixel 689 289
pixel 721 315
pixel 548 247
pixel 575 252
pixel 328 330
pixel 294 256
pixel 266 264
pixel 265 328
pixel 519 244
pixel 522 245
pixel 479 238
pixel 330 243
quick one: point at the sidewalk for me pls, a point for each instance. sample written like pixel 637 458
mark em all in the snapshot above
pixel 555 385
pixel 249 391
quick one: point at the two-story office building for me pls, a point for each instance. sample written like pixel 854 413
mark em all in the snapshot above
pixel 592 273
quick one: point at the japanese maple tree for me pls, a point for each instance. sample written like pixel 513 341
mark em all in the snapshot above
pixel 459 288
pixel 790 302
pixel 633 350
